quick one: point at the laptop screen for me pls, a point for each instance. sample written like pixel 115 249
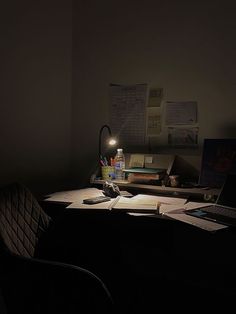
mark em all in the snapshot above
pixel 227 196
pixel 218 159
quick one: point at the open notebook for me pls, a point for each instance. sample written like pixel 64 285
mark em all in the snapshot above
pixel 140 203
pixel 224 210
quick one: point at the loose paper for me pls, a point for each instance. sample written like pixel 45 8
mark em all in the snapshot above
pixel 74 195
pixel 195 221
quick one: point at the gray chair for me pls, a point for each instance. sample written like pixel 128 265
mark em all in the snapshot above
pixel 34 285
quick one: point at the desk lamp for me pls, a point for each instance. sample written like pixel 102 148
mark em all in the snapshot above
pixel 111 141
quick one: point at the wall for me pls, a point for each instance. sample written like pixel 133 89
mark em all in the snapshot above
pixel 35 95
pixel 186 47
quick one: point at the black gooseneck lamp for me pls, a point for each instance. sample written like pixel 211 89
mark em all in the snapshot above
pixel 111 140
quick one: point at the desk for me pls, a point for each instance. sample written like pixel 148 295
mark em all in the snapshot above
pixel 148 260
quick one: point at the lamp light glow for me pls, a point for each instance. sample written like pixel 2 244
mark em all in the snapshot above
pixel 111 141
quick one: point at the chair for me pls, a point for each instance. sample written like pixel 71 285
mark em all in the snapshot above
pixel 34 285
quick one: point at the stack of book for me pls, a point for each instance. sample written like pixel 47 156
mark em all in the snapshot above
pixel 145 175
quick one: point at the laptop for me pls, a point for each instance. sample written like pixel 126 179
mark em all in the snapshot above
pixel 224 209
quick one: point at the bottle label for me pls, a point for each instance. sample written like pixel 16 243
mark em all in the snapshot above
pixel 120 165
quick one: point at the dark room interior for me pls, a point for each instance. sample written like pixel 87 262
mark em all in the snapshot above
pixel 58 60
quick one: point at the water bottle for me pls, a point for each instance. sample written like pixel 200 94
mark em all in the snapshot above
pixel 119 164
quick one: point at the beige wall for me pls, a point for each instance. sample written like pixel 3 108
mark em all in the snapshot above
pixel 35 92
pixel 186 47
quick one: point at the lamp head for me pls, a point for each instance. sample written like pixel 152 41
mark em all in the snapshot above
pixel 111 140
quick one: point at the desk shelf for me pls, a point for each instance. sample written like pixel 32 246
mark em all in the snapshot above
pixel 203 193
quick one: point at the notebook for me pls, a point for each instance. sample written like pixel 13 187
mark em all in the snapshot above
pixel 224 209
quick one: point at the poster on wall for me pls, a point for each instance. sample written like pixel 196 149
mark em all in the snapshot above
pixel 153 121
pixel 181 112
pixel 154 114
pixel 155 97
pixel 128 113
pixel 181 122
pixel 183 136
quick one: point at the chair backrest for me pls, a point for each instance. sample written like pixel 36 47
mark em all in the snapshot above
pixel 22 220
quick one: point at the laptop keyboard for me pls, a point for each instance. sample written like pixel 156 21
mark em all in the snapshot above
pixel 222 211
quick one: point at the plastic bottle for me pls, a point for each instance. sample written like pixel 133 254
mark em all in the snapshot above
pixel 119 164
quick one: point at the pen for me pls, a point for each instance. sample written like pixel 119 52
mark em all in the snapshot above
pixel 105 161
pixel 102 162
pixel 112 161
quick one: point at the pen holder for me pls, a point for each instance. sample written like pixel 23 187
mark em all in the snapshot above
pixel 108 172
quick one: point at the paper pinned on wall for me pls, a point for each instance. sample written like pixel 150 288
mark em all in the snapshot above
pixel 153 121
pixel 155 97
pixel 182 136
pixel 128 110
pixel 182 112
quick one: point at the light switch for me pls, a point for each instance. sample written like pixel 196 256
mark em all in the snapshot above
pixel 148 160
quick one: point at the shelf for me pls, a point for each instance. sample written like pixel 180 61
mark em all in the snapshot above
pixel 206 193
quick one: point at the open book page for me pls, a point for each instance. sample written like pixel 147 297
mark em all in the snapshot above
pixel 137 205
pixel 160 199
pixel 165 208
pixel 145 203
pixel 133 202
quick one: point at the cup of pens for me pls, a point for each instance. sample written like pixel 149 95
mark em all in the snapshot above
pixel 108 172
